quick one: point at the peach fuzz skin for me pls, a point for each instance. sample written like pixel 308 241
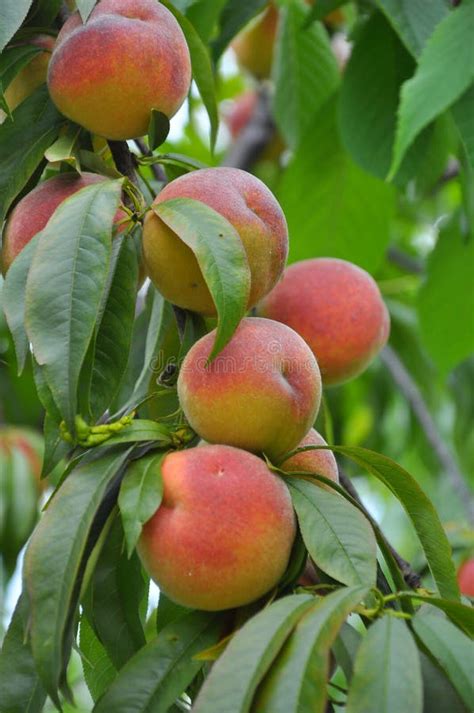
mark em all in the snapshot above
pixel 252 210
pixel 261 393
pixel 108 74
pixel 338 310
pixel 223 534
pixel 34 210
pixel 321 462
pixel 466 578
pixel 33 74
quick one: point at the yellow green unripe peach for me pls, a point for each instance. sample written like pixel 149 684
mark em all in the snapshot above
pixel 338 310
pixel 33 74
pixel 261 393
pixel 321 462
pixel 252 210
pixel 223 534
pixel 33 211
pixel 108 74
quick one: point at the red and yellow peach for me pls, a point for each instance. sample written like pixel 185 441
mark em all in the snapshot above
pixel 261 393
pixel 33 74
pixel 108 74
pixel 338 310
pixel 321 462
pixel 33 211
pixel 252 210
pixel 223 534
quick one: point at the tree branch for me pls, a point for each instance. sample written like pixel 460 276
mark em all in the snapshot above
pixel 404 261
pixel 411 577
pixel 254 137
pixel 413 395
pixel 124 160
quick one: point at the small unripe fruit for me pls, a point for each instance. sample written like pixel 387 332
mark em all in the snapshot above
pixel 253 211
pixel 261 393
pixel 254 46
pixel 223 534
pixel 321 462
pixel 32 75
pixel 338 310
pixel 466 578
pixel 31 214
pixel 108 74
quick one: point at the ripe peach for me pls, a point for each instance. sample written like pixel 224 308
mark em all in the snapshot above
pixel 223 534
pixel 338 310
pixel 321 462
pixel 253 211
pixel 31 214
pixel 108 74
pixel 261 393
pixel 28 442
pixel 32 75
pixel 466 577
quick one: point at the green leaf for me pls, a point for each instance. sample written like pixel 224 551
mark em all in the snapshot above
pixel 13 60
pixel 112 601
pixel 221 256
pixel 321 8
pixel 235 676
pixel 163 669
pixel 65 286
pixel 168 612
pixel 354 209
pixel 452 649
pixel 54 560
pixel 204 14
pixel 345 649
pixel 235 15
pixel 158 128
pixel 20 688
pixel 203 72
pixel 444 73
pixel 438 694
pixel 338 537
pixel 14 298
pixel 462 113
pixel 114 332
pixel 23 141
pixel 85 8
pixel 387 674
pixel 460 614
pixel 140 496
pixel 297 679
pixel 420 511
pixel 12 14
pixel 305 72
pixel 55 448
pixel 378 66
pixel 99 671
pixel 65 147
pixel 447 325
pixel 414 20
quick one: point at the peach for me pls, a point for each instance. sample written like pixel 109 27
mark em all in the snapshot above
pixel 223 534
pixel 261 393
pixel 338 310
pixel 321 462
pixel 32 75
pixel 466 578
pixel 108 74
pixel 33 211
pixel 254 46
pixel 29 443
pixel 253 211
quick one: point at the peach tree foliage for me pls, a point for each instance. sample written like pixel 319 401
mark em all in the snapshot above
pixel 367 148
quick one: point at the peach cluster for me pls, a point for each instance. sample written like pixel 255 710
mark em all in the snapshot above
pixel 223 534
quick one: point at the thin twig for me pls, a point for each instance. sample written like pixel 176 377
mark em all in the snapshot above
pixel 404 261
pixel 254 137
pixel 124 160
pixel 411 577
pixel 413 395
pixel 156 169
